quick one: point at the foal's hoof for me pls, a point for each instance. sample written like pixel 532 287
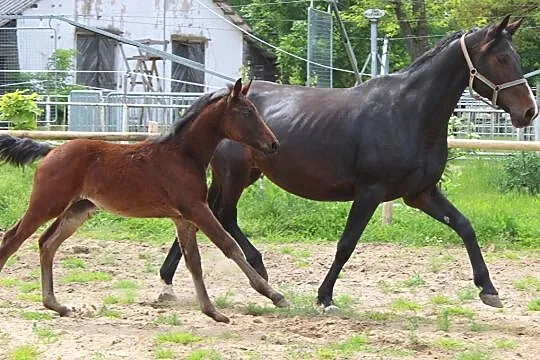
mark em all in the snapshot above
pixel 282 303
pixel 167 294
pixel 491 300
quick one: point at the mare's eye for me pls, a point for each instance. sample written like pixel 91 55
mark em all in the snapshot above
pixel 502 59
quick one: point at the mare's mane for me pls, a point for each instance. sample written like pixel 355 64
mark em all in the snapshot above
pixel 431 53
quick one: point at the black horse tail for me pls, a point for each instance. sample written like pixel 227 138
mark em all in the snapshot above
pixel 20 152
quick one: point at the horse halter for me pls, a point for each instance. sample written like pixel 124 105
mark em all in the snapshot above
pixel 475 74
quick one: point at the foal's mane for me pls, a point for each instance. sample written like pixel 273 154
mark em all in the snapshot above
pixel 193 112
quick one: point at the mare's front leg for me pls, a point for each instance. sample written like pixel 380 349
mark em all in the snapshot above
pixel 435 204
pixel 201 215
pixel 187 236
pixel 365 203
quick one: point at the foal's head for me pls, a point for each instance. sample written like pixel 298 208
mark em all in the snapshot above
pixel 493 56
pixel 242 122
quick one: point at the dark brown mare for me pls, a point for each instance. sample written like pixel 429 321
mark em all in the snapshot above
pixel 376 142
pixel 163 177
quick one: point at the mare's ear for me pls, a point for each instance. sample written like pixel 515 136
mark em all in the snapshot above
pixel 245 89
pixel 497 29
pixel 237 89
pixel 512 27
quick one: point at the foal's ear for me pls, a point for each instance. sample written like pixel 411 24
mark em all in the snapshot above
pixel 512 27
pixel 245 89
pixel 237 89
pixel 498 29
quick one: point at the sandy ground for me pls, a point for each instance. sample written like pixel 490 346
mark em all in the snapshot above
pixel 396 303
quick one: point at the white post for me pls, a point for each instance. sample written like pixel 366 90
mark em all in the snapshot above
pixel 537 121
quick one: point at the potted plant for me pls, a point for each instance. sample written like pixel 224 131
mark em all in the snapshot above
pixel 21 109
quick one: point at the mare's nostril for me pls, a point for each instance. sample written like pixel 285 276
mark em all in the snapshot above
pixel 530 114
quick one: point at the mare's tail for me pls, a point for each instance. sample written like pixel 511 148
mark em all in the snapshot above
pixel 20 152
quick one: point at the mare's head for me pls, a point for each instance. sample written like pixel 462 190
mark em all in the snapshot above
pixel 493 56
pixel 242 122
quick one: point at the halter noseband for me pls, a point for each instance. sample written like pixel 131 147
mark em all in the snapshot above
pixel 475 74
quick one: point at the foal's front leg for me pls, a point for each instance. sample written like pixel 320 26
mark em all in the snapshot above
pixel 205 220
pixel 435 204
pixel 188 240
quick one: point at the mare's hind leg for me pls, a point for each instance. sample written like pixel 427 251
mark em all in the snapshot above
pixel 435 204
pixel 187 234
pixel 201 215
pixel 62 228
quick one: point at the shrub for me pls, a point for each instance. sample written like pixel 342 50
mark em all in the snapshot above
pixel 521 173
pixel 20 109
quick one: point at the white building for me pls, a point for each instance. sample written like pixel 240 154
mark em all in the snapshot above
pixel 206 31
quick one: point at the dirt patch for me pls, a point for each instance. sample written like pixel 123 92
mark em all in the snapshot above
pixel 396 302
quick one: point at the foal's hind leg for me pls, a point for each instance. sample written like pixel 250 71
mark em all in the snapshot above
pixel 204 219
pixel 187 237
pixel 62 228
pixel 433 203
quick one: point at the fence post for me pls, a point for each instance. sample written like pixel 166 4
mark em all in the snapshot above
pixel 153 127
pixel 537 121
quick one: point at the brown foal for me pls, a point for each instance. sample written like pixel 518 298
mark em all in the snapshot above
pixel 161 177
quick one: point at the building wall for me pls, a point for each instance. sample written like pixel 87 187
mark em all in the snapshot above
pixel 136 20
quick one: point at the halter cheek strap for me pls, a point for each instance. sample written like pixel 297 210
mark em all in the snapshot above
pixel 474 74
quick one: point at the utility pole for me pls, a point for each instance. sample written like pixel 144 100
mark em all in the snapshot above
pixel 346 41
pixel 373 15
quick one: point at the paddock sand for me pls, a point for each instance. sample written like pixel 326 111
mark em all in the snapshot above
pixel 375 322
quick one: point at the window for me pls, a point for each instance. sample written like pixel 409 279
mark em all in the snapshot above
pixel 96 54
pixel 192 49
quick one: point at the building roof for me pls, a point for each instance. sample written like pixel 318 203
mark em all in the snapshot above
pixel 14 7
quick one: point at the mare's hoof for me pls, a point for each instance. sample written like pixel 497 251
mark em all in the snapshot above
pixel 282 303
pixel 167 294
pixel 330 309
pixel 65 312
pixel 491 300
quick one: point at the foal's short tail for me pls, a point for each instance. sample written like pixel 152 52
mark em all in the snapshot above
pixel 20 152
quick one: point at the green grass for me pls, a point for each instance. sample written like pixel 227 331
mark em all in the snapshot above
pixel 73 263
pixel 343 349
pixel 528 283
pixel 443 321
pixel 534 305
pixel 37 316
pixel 171 319
pixel 24 352
pixel 162 353
pixel 468 293
pixel 125 284
pixel 27 287
pixel 204 354
pixel 110 313
pixel 78 276
pixel 9 282
pixel 473 355
pixel 223 301
pixel 177 338
pixel 459 311
pixel 414 281
pixel 46 336
pixel 449 344
pixel 438 263
pixel 400 305
pixel 505 344
pixel 440 299
pixel 33 297
pixel 502 219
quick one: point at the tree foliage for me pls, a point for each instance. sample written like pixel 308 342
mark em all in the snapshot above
pixel 411 25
